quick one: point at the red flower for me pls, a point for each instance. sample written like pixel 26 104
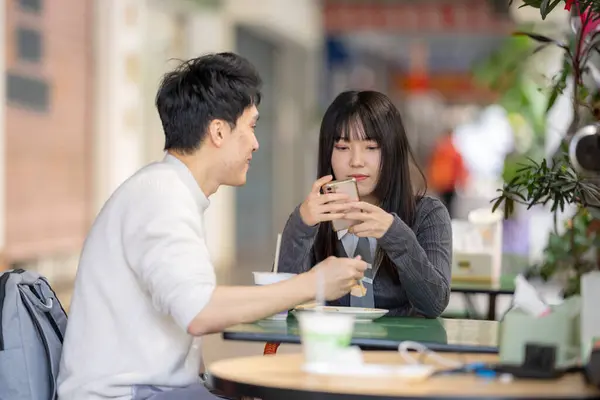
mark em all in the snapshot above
pixel 569 4
pixel 592 25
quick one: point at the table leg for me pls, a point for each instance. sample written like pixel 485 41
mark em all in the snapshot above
pixel 470 306
pixel 492 297
pixel 271 348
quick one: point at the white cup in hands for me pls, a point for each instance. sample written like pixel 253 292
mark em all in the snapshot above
pixel 319 207
pixel 268 278
pixel 339 275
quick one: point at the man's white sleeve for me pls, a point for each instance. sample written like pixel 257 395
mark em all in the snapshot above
pixel 164 244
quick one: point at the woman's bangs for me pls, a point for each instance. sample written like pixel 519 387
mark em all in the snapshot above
pixel 353 129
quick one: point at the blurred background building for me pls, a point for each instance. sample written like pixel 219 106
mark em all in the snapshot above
pixel 47 128
pixel 79 115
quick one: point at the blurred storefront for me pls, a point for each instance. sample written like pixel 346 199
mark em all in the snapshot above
pixel 420 53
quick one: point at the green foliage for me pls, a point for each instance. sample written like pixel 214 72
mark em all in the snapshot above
pixel 539 183
pixel 559 83
pixel 572 252
pixel 547 6
pixel 553 182
pixel 505 72
pixel 556 182
pixel 206 3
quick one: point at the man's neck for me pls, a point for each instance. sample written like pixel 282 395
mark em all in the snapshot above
pixel 201 171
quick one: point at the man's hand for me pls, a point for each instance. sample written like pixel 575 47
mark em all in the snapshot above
pixel 338 274
pixel 232 305
pixel 375 222
pixel 322 207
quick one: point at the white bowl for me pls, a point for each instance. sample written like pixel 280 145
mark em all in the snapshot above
pixel 267 278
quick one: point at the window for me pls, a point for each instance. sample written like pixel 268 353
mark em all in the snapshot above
pixel 29 45
pixel 32 93
pixel 500 7
pixel 31 5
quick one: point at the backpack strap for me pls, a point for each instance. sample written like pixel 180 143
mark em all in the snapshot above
pixel 4 277
pixel 56 313
pixel 32 302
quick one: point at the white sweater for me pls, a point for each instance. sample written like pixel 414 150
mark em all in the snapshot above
pixel 144 274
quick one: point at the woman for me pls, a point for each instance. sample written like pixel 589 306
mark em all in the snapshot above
pixel 406 235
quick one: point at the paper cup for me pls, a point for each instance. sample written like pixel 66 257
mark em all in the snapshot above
pixel 268 278
pixel 324 337
pixel 485 221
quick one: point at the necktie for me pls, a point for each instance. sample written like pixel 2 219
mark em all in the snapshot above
pixel 363 249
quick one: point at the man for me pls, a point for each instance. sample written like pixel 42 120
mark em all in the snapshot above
pixel 145 286
pixel 446 171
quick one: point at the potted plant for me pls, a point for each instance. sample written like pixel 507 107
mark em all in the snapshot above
pixel 555 181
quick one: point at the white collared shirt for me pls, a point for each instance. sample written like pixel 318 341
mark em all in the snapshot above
pixel 350 241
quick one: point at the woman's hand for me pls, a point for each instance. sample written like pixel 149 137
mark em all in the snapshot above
pixel 320 207
pixel 374 222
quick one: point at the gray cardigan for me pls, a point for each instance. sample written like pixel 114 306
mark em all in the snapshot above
pixel 422 256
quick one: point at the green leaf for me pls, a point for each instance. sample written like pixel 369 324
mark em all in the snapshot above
pixel 509 207
pixel 559 86
pixel 497 203
pixel 583 93
pixel 538 49
pixel 540 38
pixel 520 195
pixel 547 6
pixel 531 3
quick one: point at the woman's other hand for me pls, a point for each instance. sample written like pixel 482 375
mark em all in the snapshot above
pixel 318 207
pixel 374 221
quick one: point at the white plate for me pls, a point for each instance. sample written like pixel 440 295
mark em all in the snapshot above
pixel 360 314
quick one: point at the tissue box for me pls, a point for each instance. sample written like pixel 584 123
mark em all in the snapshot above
pixel 472 267
pixel 560 328
pixel 476 252
pixel 590 316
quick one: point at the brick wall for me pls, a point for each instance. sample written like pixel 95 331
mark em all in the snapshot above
pixel 48 188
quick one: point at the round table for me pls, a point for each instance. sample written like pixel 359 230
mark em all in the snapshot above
pixel 281 377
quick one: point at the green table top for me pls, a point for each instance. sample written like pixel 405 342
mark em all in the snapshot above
pixel 506 285
pixel 455 335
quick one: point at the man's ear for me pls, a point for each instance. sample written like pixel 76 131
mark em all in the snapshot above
pixel 217 128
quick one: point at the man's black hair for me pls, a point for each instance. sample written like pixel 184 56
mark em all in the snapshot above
pixel 213 86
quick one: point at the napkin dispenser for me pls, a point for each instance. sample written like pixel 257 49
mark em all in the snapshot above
pixel 558 329
pixel 477 247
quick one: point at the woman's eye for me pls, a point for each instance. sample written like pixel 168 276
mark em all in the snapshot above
pixel 372 147
pixel 341 147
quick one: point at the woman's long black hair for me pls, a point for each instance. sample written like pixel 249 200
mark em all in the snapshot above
pixel 369 115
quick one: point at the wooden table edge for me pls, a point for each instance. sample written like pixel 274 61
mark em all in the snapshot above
pixel 266 391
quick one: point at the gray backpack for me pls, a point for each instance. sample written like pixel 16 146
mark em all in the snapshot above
pixel 32 327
